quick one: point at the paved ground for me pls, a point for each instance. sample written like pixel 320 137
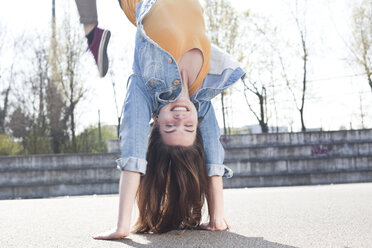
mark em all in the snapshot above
pixel 313 216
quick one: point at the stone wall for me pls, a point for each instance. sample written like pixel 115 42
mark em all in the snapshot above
pixel 258 160
pixel 58 175
pixel 309 158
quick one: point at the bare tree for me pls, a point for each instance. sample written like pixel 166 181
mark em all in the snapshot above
pixel 222 24
pixel 259 54
pixel 4 107
pixel 29 120
pixel 261 93
pixel 361 46
pixel 4 92
pixel 49 91
pixel 12 51
pixel 303 34
pixel 300 21
pixel 69 66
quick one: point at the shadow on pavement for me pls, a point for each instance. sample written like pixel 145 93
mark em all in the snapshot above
pixel 198 239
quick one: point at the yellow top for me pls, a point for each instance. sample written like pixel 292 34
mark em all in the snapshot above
pixel 177 26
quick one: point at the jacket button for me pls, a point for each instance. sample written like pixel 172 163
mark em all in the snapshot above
pixel 176 82
pixel 172 97
pixel 153 82
pixel 170 60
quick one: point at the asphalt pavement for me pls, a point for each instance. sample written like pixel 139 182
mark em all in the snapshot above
pixel 307 216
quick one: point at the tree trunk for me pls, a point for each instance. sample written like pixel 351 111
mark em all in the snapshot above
pixel 369 75
pixel 223 113
pixel 72 117
pixel 4 111
pixel 264 127
pixel 73 138
pixel 303 128
pixel 263 123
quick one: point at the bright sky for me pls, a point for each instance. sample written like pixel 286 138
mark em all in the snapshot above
pixel 333 96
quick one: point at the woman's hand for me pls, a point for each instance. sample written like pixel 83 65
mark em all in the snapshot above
pixel 215 205
pixel 129 182
pixel 215 226
pixel 112 234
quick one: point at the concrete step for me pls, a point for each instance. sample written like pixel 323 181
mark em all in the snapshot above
pixel 241 168
pixel 57 161
pixel 238 181
pixel 66 176
pixel 304 151
pixel 257 160
pixel 247 173
pixel 53 190
pixel 295 166
pixel 299 179
pixel 297 138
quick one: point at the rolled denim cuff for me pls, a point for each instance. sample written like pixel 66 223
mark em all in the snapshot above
pixel 219 170
pixel 132 164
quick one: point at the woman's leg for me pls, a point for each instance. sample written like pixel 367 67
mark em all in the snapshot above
pixel 215 205
pixel 129 182
pixel 88 14
pixel 97 38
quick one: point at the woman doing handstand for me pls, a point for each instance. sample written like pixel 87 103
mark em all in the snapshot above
pixel 176 72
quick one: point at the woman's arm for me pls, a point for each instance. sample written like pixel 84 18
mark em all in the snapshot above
pixel 134 131
pixel 129 182
pixel 215 168
pixel 213 148
pixel 215 205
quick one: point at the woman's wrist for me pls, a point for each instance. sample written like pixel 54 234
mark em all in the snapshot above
pixel 123 229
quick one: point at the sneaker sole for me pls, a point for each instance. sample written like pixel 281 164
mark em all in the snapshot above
pixel 103 61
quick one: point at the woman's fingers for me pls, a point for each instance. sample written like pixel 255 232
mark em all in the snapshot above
pixel 111 235
pixel 204 226
pixel 211 227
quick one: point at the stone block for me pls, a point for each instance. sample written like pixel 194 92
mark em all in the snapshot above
pixel 83 189
pixel 107 174
pixel 240 168
pixel 340 136
pixel 365 134
pixel 6 193
pixel 302 166
pixel 30 191
pixel 341 177
pixel 343 164
pixel 361 163
pixel 268 168
pixel 363 149
pixel 314 137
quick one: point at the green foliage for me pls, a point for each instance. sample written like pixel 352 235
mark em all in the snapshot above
pixel 241 130
pixel 342 127
pixel 34 144
pixel 8 146
pixel 91 140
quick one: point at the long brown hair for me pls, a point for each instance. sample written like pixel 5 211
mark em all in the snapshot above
pixel 172 192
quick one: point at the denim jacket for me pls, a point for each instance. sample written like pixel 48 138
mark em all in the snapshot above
pixel 155 82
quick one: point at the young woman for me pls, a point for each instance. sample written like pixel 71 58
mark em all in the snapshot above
pixel 176 72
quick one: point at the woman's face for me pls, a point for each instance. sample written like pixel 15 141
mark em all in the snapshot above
pixel 178 122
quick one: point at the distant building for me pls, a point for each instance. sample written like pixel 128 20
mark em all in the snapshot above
pixel 314 129
pixel 254 129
